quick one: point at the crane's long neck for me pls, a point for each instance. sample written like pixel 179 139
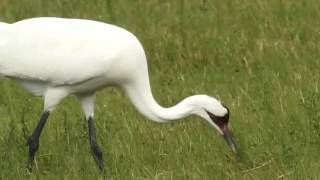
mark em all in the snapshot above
pixel 140 94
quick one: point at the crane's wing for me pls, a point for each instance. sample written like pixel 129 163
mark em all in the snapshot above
pixel 58 51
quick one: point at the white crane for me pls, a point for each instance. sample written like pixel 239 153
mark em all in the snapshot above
pixel 57 57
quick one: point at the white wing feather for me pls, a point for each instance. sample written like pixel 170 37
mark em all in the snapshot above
pixel 59 51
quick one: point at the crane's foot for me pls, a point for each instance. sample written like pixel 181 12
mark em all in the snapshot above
pixel 33 144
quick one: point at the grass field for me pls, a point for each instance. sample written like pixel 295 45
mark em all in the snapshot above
pixel 261 58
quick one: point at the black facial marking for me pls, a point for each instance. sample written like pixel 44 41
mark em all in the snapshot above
pixel 228 112
pixel 220 121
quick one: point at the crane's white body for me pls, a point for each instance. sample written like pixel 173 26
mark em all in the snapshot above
pixel 56 57
pixel 69 52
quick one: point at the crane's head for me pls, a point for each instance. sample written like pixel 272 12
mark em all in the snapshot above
pixel 217 115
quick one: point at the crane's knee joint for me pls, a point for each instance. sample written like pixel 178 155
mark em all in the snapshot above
pixel 33 144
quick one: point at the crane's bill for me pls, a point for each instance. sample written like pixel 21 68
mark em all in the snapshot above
pixel 228 136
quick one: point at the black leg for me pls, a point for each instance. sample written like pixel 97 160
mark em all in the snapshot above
pixel 33 140
pixel 95 149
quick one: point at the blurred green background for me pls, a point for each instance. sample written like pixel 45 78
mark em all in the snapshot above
pixel 261 58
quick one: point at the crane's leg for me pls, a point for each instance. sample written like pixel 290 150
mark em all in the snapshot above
pixel 95 149
pixel 51 99
pixel 33 140
pixel 87 103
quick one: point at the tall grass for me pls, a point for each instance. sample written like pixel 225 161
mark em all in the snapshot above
pixel 260 57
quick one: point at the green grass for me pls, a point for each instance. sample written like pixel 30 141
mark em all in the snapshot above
pixel 262 58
